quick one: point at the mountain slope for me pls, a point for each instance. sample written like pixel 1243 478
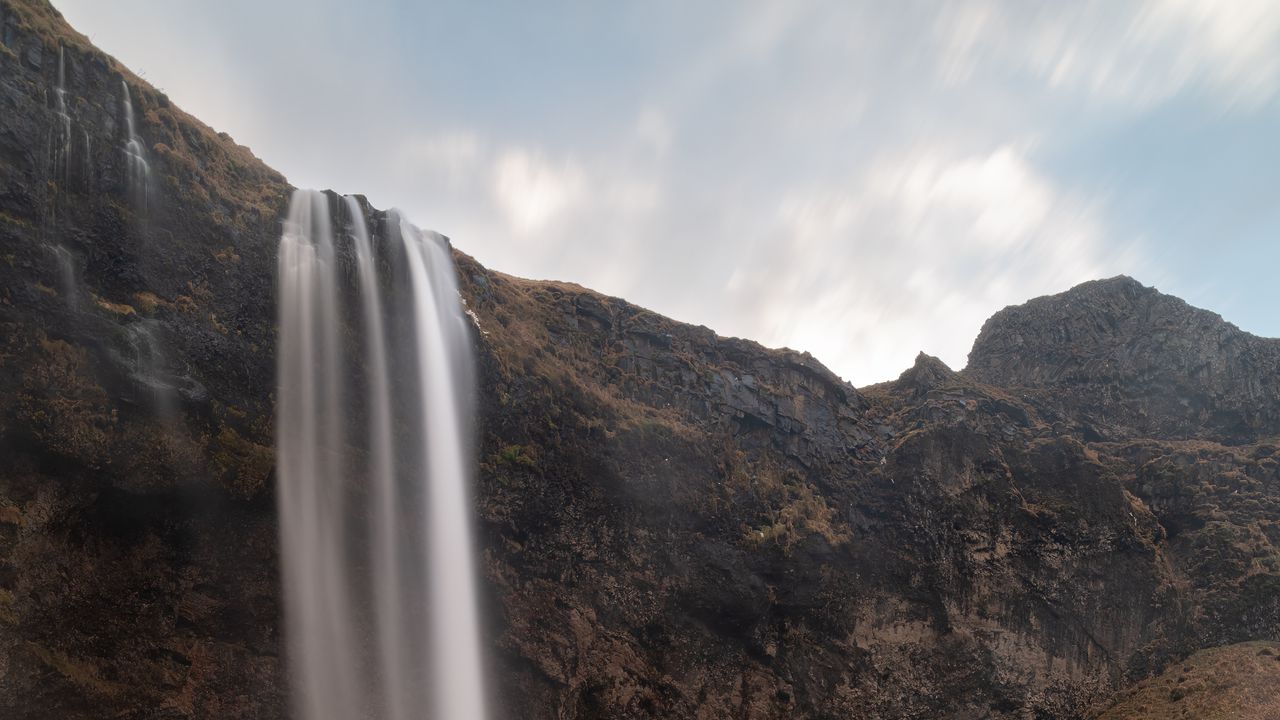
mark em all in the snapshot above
pixel 1122 360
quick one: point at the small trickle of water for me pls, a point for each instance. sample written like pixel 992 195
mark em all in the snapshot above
pixel 62 143
pixel 88 160
pixel 150 368
pixel 139 171
pixel 69 286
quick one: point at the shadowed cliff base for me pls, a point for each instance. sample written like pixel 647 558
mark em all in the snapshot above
pixel 673 524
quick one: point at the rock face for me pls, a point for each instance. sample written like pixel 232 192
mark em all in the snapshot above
pixel 1119 360
pixel 673 524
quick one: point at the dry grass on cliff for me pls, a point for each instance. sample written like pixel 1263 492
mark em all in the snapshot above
pixel 1241 682
pixel 529 335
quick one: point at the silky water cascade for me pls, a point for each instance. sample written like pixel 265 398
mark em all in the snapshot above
pixel 375 407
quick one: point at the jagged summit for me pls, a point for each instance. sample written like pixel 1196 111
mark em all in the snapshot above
pixel 1135 361
pixel 925 374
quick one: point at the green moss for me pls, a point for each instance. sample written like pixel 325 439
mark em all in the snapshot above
pixel 516 456
pixel 11 219
pixel 82 673
pixel 62 406
pixel 242 466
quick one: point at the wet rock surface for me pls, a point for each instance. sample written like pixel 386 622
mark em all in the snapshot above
pixel 673 524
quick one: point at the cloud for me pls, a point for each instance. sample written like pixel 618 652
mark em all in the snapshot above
pixel 914 255
pixel 1236 43
pixel 653 131
pixel 539 212
pixel 1132 54
pixel 451 158
pixel 857 179
pixel 532 191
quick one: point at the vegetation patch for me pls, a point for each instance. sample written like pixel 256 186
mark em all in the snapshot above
pixel 1235 681
pixel 149 302
pixel 790 508
pixel 82 673
pixel 243 466
pixel 10 515
pixel 516 456
pixel 7 614
pixel 121 309
pixel 62 406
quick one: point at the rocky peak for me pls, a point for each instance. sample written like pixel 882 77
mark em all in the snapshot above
pixel 925 374
pixel 1126 359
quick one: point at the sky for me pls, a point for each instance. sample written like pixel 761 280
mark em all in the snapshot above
pixel 859 180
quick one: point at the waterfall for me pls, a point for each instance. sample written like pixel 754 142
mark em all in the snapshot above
pixel 388 585
pixel 443 359
pixel 139 171
pixel 374 464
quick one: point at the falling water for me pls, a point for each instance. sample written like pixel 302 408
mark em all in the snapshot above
pixel 87 163
pixel 62 144
pixel 139 171
pixel 68 285
pixel 373 476
pixel 443 356
pixel 151 368
pixel 311 468
pixel 388 584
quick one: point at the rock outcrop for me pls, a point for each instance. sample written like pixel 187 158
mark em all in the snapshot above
pixel 674 524
pixel 1117 359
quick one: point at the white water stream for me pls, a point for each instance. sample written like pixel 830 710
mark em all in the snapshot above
pixel 374 470
pixel 135 154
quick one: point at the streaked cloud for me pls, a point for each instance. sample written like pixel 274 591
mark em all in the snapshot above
pixel 861 180
pixel 948 237
pixel 1135 54
pixel 532 191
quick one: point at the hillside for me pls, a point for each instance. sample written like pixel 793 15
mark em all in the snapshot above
pixel 1237 681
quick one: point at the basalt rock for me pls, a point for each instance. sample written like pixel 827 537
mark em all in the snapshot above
pixel 1123 360
pixel 673 524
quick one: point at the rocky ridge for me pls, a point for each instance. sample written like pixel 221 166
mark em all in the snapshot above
pixel 1123 360
pixel 674 524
